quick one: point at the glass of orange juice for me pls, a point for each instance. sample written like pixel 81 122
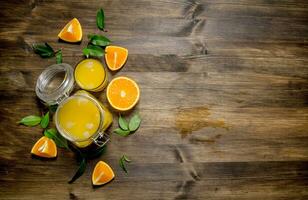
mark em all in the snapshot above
pixel 91 75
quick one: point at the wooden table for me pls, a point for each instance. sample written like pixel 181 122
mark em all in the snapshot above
pixel 224 99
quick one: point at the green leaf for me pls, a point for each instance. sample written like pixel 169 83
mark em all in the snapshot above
pixel 59 56
pixel 122 162
pixel 99 40
pixel 44 50
pixel 96 152
pixel 53 108
pixel 59 140
pixel 80 171
pixel 45 120
pixel 123 123
pixel 122 132
pixel 31 120
pixel 126 158
pixel 100 19
pixel 134 123
pixel 93 51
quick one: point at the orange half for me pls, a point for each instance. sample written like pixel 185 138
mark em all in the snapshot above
pixel 115 57
pixel 72 31
pixel 45 148
pixel 123 93
pixel 102 174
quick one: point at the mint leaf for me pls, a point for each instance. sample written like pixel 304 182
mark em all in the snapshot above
pixel 122 132
pixel 122 162
pixel 31 120
pixel 80 171
pixel 100 19
pixel 44 50
pixel 123 123
pixel 53 108
pixel 126 158
pixel 134 123
pixel 59 140
pixel 59 56
pixel 93 51
pixel 96 152
pixel 45 120
pixel 99 40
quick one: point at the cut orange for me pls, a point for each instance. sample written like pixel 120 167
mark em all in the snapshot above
pixel 45 148
pixel 102 174
pixel 72 31
pixel 115 57
pixel 123 93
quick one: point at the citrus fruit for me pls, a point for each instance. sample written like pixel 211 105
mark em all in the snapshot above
pixel 115 57
pixel 72 31
pixel 102 173
pixel 45 148
pixel 123 93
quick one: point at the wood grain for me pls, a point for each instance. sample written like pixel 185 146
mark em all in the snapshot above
pixel 224 95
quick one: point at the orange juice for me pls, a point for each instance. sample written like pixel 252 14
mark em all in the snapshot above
pixel 81 117
pixel 90 75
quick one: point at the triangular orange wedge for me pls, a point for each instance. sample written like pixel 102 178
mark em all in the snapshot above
pixel 115 57
pixel 45 148
pixel 72 31
pixel 123 93
pixel 102 174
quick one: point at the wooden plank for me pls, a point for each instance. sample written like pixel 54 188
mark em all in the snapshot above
pixel 223 99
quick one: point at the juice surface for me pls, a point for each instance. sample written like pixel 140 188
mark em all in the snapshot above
pixel 79 117
pixel 90 74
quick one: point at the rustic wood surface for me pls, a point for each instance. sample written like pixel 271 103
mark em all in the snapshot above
pixel 224 99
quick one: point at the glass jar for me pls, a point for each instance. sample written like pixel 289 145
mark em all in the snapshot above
pixel 55 83
pixel 54 86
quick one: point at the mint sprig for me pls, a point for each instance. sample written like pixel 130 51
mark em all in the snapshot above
pixel 124 159
pixel 127 128
pixel 81 169
pixel 123 123
pixel 100 19
pixel 46 51
pixel 59 139
pixel 45 120
pixel 59 56
pixel 99 40
pixel 31 120
pixel 93 51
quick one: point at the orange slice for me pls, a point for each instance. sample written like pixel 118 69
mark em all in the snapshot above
pixel 123 93
pixel 115 57
pixel 102 174
pixel 45 148
pixel 72 31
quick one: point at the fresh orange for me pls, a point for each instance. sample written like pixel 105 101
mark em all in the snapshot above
pixel 115 57
pixel 123 93
pixel 72 31
pixel 102 174
pixel 45 147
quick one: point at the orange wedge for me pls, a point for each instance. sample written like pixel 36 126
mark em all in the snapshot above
pixel 72 31
pixel 115 57
pixel 102 174
pixel 123 93
pixel 45 148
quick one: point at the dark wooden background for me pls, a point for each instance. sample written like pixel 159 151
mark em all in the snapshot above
pixel 224 99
